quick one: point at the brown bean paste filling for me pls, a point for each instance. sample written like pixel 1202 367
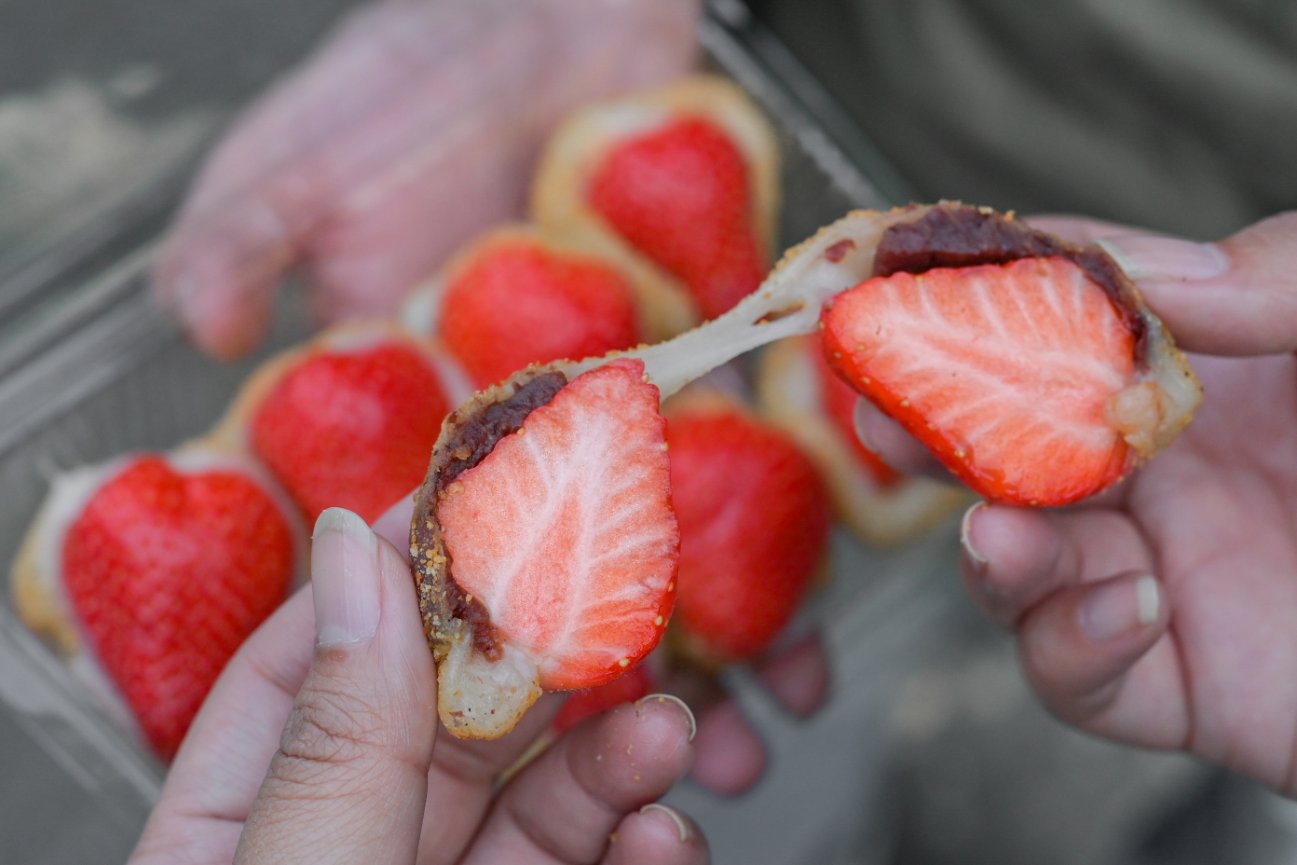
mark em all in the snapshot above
pixel 472 440
pixel 964 236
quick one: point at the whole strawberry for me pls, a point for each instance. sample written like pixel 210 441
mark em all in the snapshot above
pixel 754 527
pixel 158 568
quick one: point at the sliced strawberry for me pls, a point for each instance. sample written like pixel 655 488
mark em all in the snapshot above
pixel 167 573
pixel 681 194
pixel 351 427
pixel 838 400
pixel 1007 372
pixel 519 302
pixel 558 547
pixel 627 688
pixel 754 526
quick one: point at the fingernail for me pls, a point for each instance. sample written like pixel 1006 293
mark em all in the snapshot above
pixel 682 825
pixel 344 578
pixel 1120 607
pixel 672 698
pixel 966 537
pixel 860 422
pixel 1146 256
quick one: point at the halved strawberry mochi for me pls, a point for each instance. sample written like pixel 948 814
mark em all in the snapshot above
pixel 544 540
pixel 1030 367
pixel 149 571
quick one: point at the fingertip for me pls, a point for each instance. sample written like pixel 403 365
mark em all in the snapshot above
pixel 657 833
pixel 216 274
pixel 346 575
pixel 660 725
pixel 1008 540
pixel 633 753
pixel 798 676
pixel 729 756
pixel 674 705
pixel 567 801
pixel 668 821
pixel 217 324
pixel 893 445
pixel 1120 607
pixel 973 556
pixel 1009 558
pixel 1078 644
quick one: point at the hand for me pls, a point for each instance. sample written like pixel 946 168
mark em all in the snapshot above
pixel 1163 612
pixel 413 128
pixel 333 754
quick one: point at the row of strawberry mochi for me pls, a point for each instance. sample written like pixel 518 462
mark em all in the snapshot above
pixel 651 213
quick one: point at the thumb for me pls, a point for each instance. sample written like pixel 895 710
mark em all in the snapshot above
pixel 349 781
pixel 1235 297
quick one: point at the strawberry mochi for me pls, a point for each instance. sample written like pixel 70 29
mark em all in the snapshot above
pixel 680 183
pixel 518 296
pixel 348 419
pixel 754 520
pixel 544 542
pixel 150 570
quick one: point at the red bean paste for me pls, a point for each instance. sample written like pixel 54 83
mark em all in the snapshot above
pixel 956 235
pixel 472 440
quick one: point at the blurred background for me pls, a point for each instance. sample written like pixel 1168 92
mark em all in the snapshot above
pixel 1160 113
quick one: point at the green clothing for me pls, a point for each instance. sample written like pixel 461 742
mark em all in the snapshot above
pixel 1179 115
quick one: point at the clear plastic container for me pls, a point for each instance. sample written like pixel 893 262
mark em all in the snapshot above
pixel 89 369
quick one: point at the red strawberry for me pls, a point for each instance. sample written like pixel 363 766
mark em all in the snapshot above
pixel 627 688
pixel 519 302
pixel 838 400
pixel 754 525
pixel 350 427
pixel 562 543
pixel 801 394
pixel 681 194
pixel 168 571
pixel 1007 372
